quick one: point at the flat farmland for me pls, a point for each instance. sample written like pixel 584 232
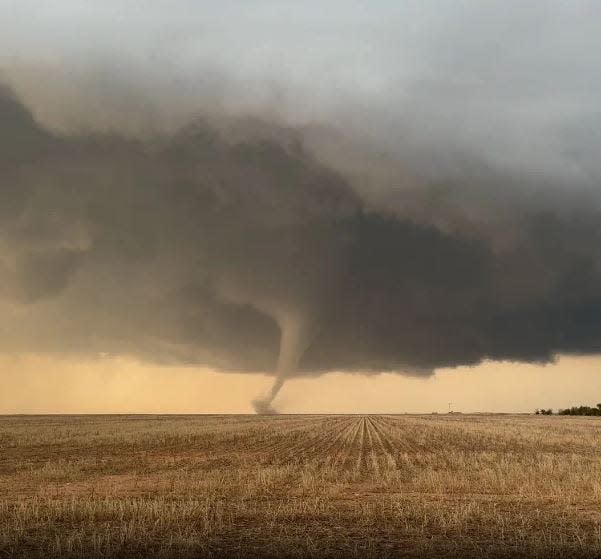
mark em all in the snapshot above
pixel 300 486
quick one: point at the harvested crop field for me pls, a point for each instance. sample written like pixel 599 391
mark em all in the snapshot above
pixel 300 486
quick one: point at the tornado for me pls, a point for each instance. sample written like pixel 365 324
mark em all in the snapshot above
pixel 294 340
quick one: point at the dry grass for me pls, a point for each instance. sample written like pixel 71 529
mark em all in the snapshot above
pixel 300 486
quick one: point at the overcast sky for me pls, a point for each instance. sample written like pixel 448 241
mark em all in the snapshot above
pixel 517 82
pixel 391 186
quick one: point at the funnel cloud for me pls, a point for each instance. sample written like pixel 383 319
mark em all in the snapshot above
pixel 401 208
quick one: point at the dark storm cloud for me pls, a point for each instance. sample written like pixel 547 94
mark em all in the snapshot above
pixel 205 247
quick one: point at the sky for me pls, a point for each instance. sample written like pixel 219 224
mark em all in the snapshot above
pixel 265 206
pixel 34 384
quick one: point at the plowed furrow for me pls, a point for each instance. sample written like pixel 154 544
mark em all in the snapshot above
pixel 280 439
pixel 344 461
pixel 384 448
pixel 268 431
pixel 398 431
pixel 372 464
pixel 301 445
pixel 341 453
pixel 331 446
pixel 312 446
pixel 339 446
pixel 287 442
pixel 388 446
pixel 360 461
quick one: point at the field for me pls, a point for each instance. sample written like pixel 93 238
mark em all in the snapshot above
pixel 300 486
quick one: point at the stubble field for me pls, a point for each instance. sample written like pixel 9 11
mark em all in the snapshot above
pixel 300 486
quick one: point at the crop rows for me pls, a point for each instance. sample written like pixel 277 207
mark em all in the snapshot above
pixel 300 486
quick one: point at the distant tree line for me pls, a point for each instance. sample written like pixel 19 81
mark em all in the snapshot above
pixel 574 410
pixel 581 410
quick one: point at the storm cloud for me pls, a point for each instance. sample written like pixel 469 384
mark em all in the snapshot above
pixel 412 212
